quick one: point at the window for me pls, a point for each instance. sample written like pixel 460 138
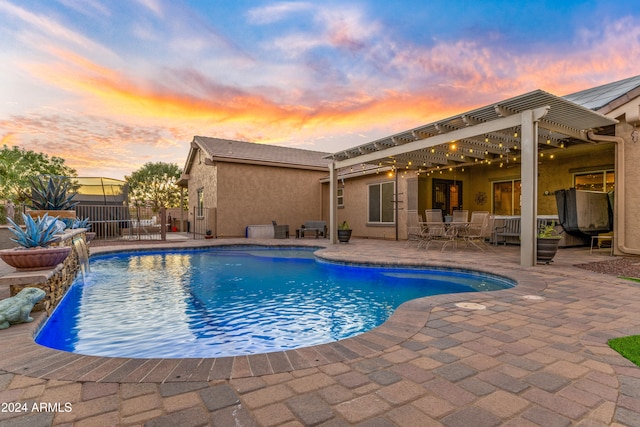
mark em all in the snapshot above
pixel 506 197
pixel 594 181
pixel 200 207
pixel 381 198
pixel 341 197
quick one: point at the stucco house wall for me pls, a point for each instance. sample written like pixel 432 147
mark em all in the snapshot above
pixel 255 194
pixel 202 175
pixel 246 183
pixel 554 174
pixel 356 206
pixel 630 220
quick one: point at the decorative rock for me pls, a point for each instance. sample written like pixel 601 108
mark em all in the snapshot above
pixel 16 309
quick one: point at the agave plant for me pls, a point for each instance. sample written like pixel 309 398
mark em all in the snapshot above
pixel 73 223
pixel 39 232
pixel 81 223
pixel 51 194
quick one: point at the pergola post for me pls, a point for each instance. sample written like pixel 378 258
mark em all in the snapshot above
pixel 529 192
pixel 333 202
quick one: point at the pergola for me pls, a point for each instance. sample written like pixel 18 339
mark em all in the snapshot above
pixel 526 124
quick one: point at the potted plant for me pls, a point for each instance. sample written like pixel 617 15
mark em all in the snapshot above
pixel 547 243
pixel 344 232
pixel 208 234
pixel 35 251
pixel 53 194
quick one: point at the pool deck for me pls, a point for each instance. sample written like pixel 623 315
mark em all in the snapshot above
pixel 534 355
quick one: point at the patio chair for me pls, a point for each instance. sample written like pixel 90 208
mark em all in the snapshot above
pixel 414 228
pixel 280 231
pixel 461 215
pixel 475 233
pixel 433 215
pixel 435 228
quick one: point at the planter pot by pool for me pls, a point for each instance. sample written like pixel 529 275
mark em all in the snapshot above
pixel 91 235
pixel 35 258
pixel 344 236
pixel 546 249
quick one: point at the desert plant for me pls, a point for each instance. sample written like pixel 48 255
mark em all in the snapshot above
pixel 344 225
pixel 52 194
pixel 73 223
pixel 81 223
pixel 40 232
pixel 549 232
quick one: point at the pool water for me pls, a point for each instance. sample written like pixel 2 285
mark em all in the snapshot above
pixel 233 301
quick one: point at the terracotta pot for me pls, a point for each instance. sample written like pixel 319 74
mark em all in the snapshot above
pixel 71 214
pixel 91 235
pixel 35 258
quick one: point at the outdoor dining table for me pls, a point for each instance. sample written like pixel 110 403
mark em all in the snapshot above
pixel 447 232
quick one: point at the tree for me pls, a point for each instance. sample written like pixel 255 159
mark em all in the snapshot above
pixel 17 165
pixel 154 184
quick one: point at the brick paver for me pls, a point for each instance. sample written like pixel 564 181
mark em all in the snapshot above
pixel 517 362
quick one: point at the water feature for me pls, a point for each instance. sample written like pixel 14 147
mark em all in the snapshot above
pixel 80 246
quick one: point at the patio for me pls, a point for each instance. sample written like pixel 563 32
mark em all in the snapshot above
pixel 532 355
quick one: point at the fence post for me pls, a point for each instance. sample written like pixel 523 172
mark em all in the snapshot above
pixel 192 227
pixel 163 224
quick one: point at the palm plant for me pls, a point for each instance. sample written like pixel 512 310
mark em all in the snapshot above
pixel 37 233
pixel 51 194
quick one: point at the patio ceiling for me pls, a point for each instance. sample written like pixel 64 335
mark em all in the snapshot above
pixel 478 135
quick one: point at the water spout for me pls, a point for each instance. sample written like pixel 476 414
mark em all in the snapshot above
pixel 83 255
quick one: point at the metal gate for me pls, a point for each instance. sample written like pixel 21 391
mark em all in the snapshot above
pixel 123 222
pixel 204 221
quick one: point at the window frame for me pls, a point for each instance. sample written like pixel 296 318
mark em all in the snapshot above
pixel 340 197
pixel 516 203
pixel 200 202
pixel 604 172
pixel 381 200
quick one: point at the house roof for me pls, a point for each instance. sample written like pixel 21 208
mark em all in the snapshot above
pixel 598 97
pixel 220 149
pixel 227 150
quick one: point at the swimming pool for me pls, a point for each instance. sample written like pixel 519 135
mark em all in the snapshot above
pixel 231 301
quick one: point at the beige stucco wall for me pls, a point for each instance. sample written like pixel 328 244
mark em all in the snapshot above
pixel 203 176
pixel 355 209
pixel 257 194
pixel 554 174
pixel 631 197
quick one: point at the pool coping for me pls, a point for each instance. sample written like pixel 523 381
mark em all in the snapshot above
pixel 22 355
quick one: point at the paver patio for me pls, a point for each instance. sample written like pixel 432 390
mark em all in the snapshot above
pixel 536 354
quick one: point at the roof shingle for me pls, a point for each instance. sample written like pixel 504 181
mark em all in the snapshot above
pixel 219 149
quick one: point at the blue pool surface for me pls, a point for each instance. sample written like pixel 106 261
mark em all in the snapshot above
pixel 234 301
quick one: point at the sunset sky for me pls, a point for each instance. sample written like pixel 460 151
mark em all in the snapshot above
pixel 111 85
